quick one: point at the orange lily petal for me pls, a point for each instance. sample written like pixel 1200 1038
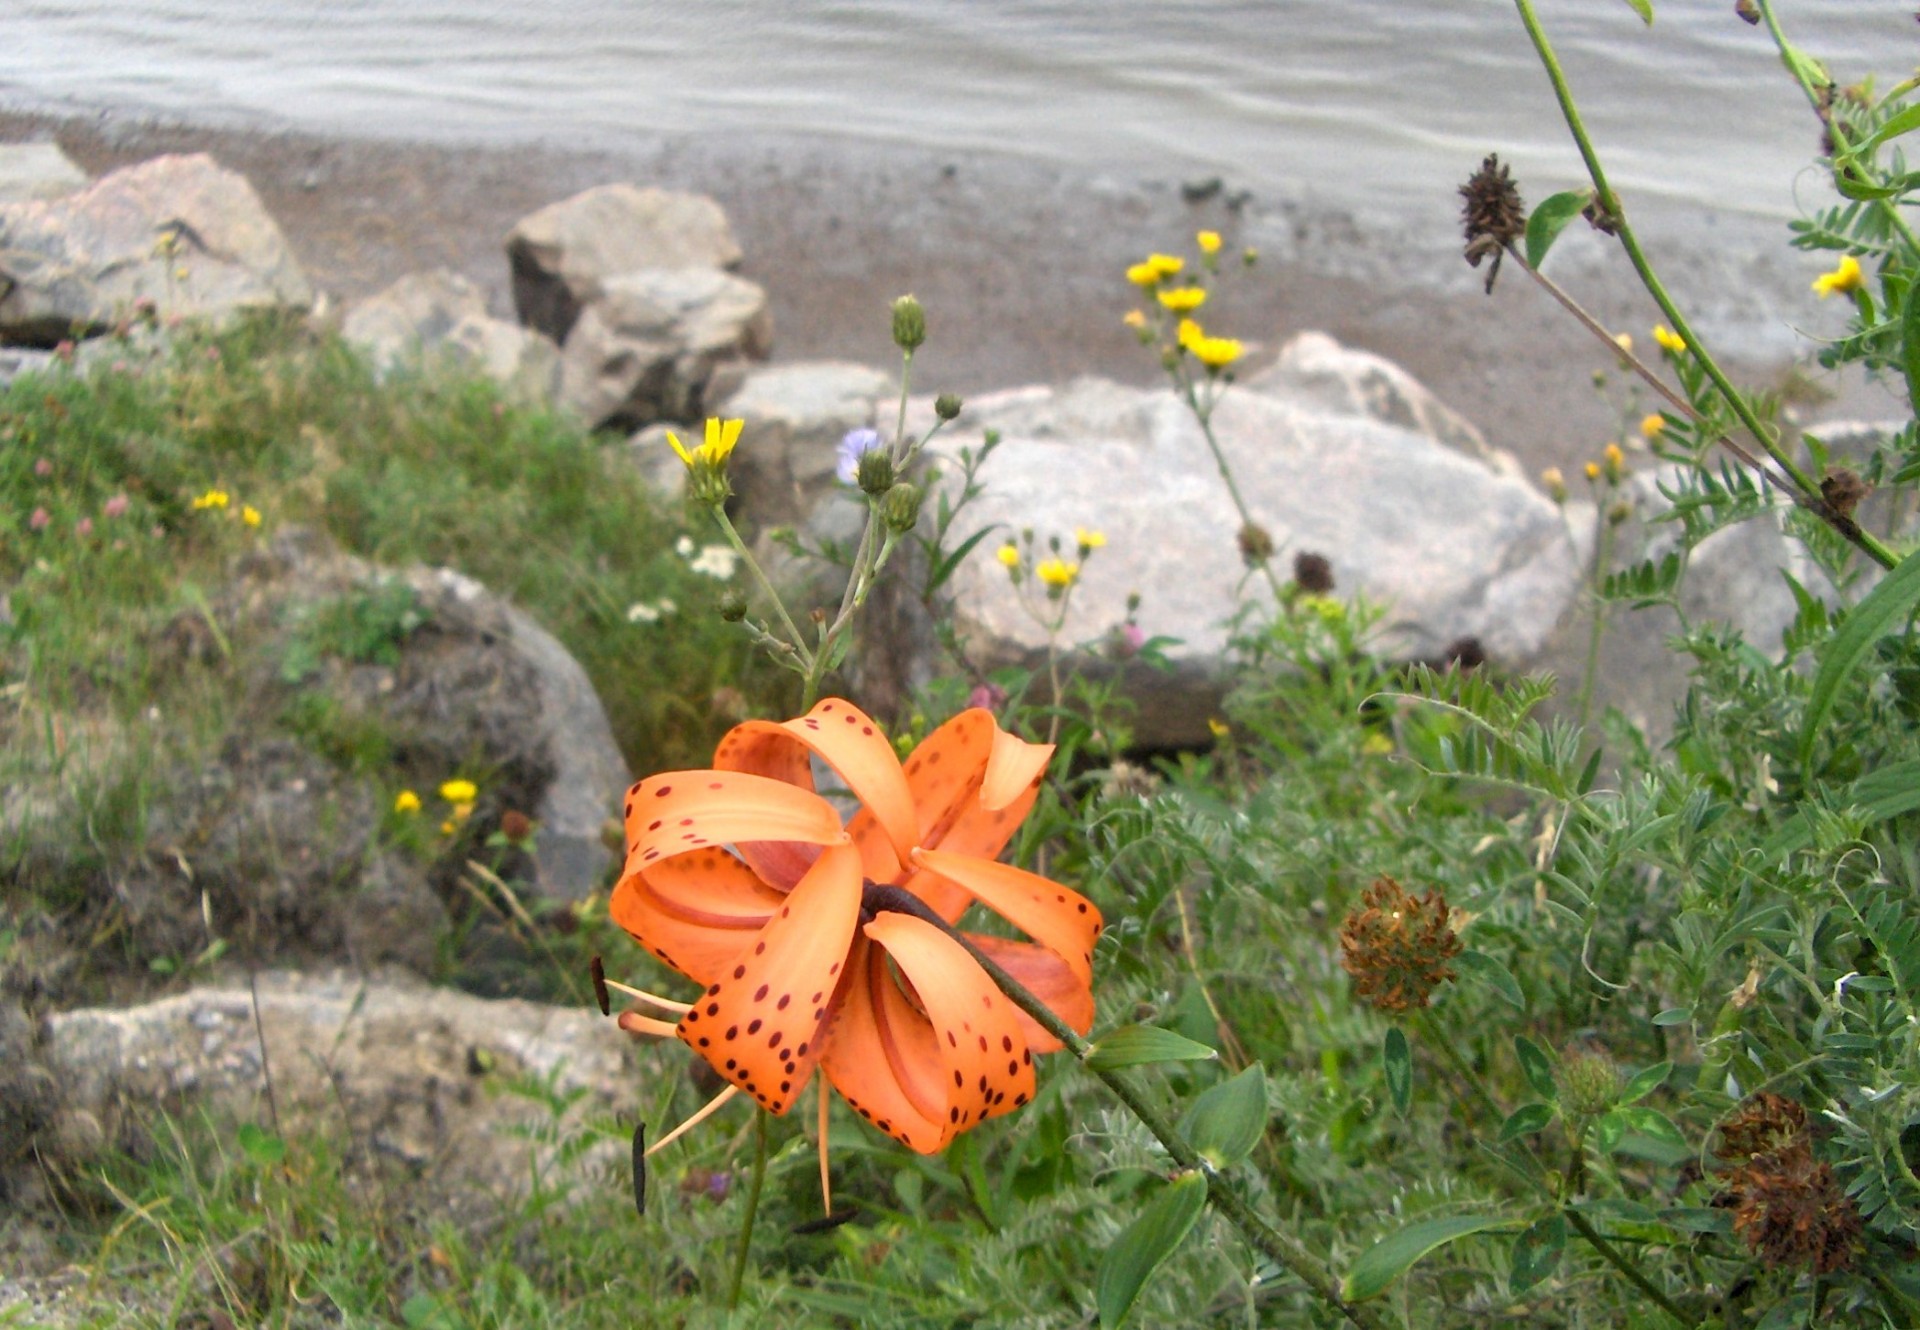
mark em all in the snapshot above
pixel 694 911
pixel 983 826
pixel 760 1023
pixel 1048 978
pixel 847 740
pixel 688 810
pixel 881 1056
pixel 985 1064
pixel 1058 918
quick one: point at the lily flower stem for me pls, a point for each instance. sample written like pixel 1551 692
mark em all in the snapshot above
pixel 1609 206
pixel 1284 1249
pixel 753 1207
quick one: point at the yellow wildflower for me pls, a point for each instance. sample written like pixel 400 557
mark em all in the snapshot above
pixel 212 499
pixel 721 436
pixel 1057 572
pixel 1009 556
pixel 1135 318
pixel 1218 728
pixel 1143 274
pixel 461 812
pixel 1209 242
pixel 1615 459
pixel 1376 745
pixel 1650 427
pixel 1187 332
pixel 459 791
pixel 446 828
pixel 1556 484
pixel 1166 263
pixel 1593 471
pixel 1087 539
pixel 1847 277
pixel 1183 299
pixel 1216 353
pixel 406 802
pixel 250 515
pixel 1668 339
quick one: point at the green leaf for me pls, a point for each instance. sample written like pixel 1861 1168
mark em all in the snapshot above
pixel 1673 1016
pixel 1910 346
pixel 1493 974
pixel 1644 8
pixel 1538 1067
pixel 1550 219
pixel 1904 123
pixel 1397 1061
pixel 1875 616
pixel 260 1145
pixel 1536 1252
pixel 1227 1121
pixel 1525 1120
pixel 1146 1243
pixel 1650 1122
pixel 1379 1265
pixel 1645 1082
pixel 1881 794
pixel 1138 1045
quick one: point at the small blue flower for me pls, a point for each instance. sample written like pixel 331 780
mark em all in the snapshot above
pixel 857 442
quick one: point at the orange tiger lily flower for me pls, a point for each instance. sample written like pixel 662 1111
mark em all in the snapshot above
pixel 746 880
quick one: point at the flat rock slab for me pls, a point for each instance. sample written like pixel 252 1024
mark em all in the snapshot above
pixel 178 231
pixel 441 314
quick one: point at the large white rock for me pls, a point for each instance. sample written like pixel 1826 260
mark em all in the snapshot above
pixel 442 314
pixel 1453 545
pixel 648 346
pixel 180 231
pixel 37 171
pixel 563 254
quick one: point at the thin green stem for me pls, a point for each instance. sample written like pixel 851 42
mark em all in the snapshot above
pixel 1284 1249
pixel 1204 415
pixel 1609 205
pixel 753 1208
pixel 1602 560
pixel 766 587
pixel 1619 1262
pixel 1836 131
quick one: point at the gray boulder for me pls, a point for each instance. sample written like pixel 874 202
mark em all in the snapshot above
pixel 442 314
pixel 37 171
pixel 647 348
pixel 562 255
pixel 179 231
pixel 418 1073
pixel 1451 545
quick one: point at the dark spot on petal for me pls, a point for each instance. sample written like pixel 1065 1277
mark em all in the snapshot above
pixel 781 1005
pixel 754 1027
pixel 760 993
pixel 733 1032
pixel 663 792
pixel 739 972
pixel 1006 1043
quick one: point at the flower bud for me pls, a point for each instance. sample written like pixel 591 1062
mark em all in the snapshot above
pixel 1556 483
pixel 874 471
pixel 946 406
pixel 901 508
pixel 733 606
pixel 1256 545
pixel 1589 1084
pixel 909 323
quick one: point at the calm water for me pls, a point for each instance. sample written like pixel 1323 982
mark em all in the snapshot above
pixel 1356 103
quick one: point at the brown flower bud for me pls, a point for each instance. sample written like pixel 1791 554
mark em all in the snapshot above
pixel 1397 946
pixel 1312 573
pixel 1256 546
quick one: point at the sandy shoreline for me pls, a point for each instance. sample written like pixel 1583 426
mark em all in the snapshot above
pixel 1019 263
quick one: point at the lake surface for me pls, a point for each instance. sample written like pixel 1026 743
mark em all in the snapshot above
pixel 1366 105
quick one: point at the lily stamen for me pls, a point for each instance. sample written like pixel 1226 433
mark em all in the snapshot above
pixel 712 1107
pixel 651 999
pixel 634 1023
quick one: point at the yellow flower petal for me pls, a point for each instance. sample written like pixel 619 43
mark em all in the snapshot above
pixel 1844 278
pixel 1209 242
pixel 1182 299
pixel 459 791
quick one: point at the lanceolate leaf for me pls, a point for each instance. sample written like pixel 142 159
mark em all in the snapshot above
pixel 1538 1067
pixel 1396 1059
pixel 1136 1045
pixel 1880 612
pixel 1644 8
pixel 1550 219
pixel 1145 1244
pixel 1379 1265
pixel 1227 1121
pixel 1882 794
pixel 1536 1252
pixel 1910 343
pixel 1493 974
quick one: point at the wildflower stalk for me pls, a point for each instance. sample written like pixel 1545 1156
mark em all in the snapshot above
pixel 1608 205
pixel 1284 1249
pixel 1203 413
pixel 753 1208
pixel 1634 1275
pixel 1801 69
pixel 1602 560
